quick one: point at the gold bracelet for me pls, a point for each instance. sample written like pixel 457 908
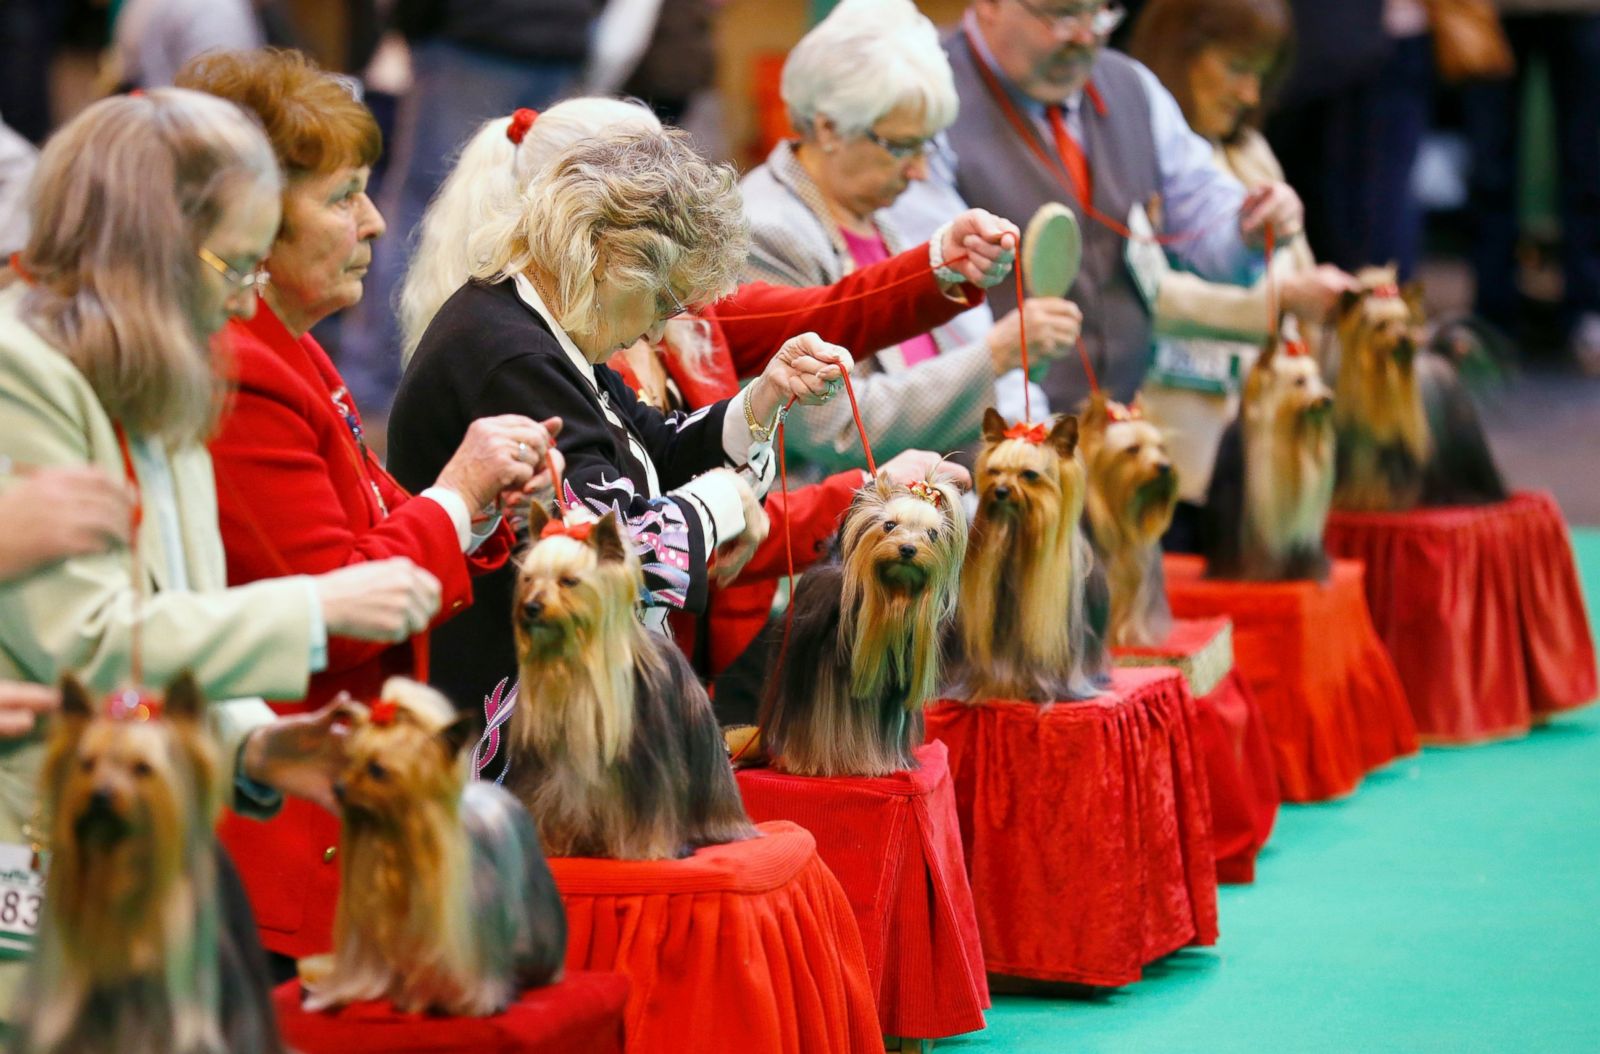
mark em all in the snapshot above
pixel 757 432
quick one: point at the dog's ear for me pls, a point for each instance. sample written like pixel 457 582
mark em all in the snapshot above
pixel 538 516
pixel 1096 412
pixel 184 701
pixel 76 703
pixel 994 426
pixel 1348 301
pixel 462 733
pixel 1064 435
pixel 883 484
pixel 606 537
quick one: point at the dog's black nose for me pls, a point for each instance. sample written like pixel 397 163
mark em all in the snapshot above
pixel 1323 404
pixel 532 610
pixel 100 798
pixel 908 551
pixel 338 791
pixel 1163 469
pixel 1002 492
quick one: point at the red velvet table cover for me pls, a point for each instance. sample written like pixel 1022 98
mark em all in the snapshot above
pixel 1481 609
pixel 1240 773
pixel 1087 828
pixel 1334 707
pixel 581 1012
pixel 895 846
pixel 746 946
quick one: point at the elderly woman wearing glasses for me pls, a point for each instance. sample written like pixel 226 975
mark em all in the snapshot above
pixel 298 490
pixel 867 89
pixel 615 236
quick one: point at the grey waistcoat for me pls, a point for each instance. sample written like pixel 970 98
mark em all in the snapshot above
pixel 997 171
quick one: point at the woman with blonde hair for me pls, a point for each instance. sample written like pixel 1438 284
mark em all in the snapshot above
pixel 105 362
pixel 701 355
pixel 616 236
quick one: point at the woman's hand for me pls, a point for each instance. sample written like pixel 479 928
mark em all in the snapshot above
pixel 978 236
pixel 384 600
pixel 21 704
pixel 1271 203
pixel 1312 295
pixel 509 453
pixel 733 554
pixel 302 755
pixel 806 367
pixel 1053 328
pixel 910 466
pixel 57 513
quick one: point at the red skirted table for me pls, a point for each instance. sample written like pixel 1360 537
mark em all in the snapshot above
pixel 1334 707
pixel 581 1012
pixel 1087 828
pixel 1481 610
pixel 1233 737
pixel 746 946
pixel 895 846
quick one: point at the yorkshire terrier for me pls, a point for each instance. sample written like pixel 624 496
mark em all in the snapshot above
pixel 1133 492
pixel 1270 493
pixel 1408 434
pixel 613 744
pixel 1023 627
pixel 864 658
pixel 145 942
pixel 446 904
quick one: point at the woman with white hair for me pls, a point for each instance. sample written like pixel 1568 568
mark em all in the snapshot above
pixel 868 89
pixel 617 234
pixel 700 357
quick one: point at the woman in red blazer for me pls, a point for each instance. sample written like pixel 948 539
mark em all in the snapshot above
pixel 297 489
pixel 740 333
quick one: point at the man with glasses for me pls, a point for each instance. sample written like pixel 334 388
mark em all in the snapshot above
pixel 1049 113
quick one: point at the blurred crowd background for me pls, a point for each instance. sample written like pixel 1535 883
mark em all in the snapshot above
pixel 1487 191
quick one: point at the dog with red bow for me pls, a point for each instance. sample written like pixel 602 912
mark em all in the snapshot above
pixel 1408 434
pixel 864 657
pixel 613 745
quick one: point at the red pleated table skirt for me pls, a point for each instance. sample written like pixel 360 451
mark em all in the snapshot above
pixel 1481 609
pixel 1087 828
pixel 1334 706
pixel 746 946
pixel 1240 772
pixel 895 846
pixel 583 1012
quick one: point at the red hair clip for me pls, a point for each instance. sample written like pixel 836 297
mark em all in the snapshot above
pixel 578 532
pixel 927 492
pixel 130 704
pixel 521 120
pixel 384 711
pixel 1387 291
pixel 1035 434
pixel 1294 348
pixel 1122 412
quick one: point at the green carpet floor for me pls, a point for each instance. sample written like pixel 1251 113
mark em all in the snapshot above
pixel 1451 904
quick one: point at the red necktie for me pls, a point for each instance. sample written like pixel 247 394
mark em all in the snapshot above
pixel 1071 155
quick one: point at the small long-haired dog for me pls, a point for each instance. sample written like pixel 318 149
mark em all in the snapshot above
pixel 136 948
pixel 446 904
pixel 613 745
pixel 1133 492
pixel 1408 433
pixel 1022 629
pixel 1270 493
pixel 864 657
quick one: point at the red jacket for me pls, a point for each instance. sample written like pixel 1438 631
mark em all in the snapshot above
pixel 875 307
pixel 296 494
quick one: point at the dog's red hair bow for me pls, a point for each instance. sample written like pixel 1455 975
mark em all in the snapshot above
pixel 1035 434
pixel 130 704
pixel 578 532
pixel 384 711
pixel 1122 412
pixel 927 492
pixel 1294 348
pixel 1387 291
pixel 521 120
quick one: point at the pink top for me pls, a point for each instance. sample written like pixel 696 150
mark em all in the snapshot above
pixel 871 250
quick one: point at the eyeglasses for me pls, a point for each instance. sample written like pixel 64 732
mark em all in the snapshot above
pixel 668 312
pixel 243 281
pixel 1099 19
pixel 899 151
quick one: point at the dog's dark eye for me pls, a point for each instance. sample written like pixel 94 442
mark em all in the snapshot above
pixel 568 582
pixel 933 535
pixel 1133 450
pixel 85 764
pixel 889 526
pixel 377 771
pixel 142 769
pixel 1030 475
pixel 1299 382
